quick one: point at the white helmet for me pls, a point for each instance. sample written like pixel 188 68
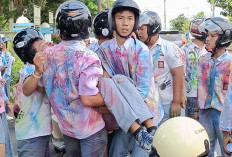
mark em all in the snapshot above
pixel 181 137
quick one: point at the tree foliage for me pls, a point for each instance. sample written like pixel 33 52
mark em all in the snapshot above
pixel 179 23
pixel 182 23
pixel 6 13
pixel 46 5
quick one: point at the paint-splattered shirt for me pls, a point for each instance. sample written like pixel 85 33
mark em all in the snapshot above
pixel 133 60
pixel 73 70
pixel 226 114
pixel 192 54
pixel 2 104
pixel 34 117
pixel 221 82
pixel 165 56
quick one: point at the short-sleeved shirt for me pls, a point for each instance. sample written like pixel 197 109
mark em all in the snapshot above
pixel 221 82
pixel 133 60
pixel 192 53
pixel 73 70
pixel 165 56
pixel 34 117
pixel 226 114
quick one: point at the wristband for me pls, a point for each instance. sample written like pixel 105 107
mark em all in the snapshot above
pixel 36 76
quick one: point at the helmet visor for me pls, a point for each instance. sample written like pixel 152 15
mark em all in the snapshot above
pixel 210 25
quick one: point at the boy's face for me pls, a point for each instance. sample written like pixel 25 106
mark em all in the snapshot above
pixel 211 39
pixel 142 33
pixel 125 21
pixel 41 45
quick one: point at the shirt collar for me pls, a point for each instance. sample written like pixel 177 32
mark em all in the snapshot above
pixel 126 44
pixel 223 56
pixel 158 42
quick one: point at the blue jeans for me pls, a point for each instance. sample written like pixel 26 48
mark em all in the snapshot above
pixel 190 107
pixel 34 147
pixel 5 135
pixel 166 108
pixel 95 145
pixel 209 118
pixel 123 144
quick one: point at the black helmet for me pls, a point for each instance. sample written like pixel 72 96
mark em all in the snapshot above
pixel 22 44
pixel 101 25
pixel 120 5
pixel 194 28
pixel 73 19
pixel 153 22
pixel 221 26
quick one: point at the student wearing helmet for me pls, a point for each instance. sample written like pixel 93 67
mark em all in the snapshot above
pixel 129 57
pixel 70 78
pixel 129 107
pixel 33 122
pixel 213 74
pixel 192 52
pixel 168 64
pixel 101 29
pixel 6 147
pixel 8 61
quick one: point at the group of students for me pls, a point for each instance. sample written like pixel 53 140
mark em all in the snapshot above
pixel 110 98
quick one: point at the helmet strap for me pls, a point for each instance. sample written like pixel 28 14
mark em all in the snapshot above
pixel 147 41
pixel 214 52
pixel 126 37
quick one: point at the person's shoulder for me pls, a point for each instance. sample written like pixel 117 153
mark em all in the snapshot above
pixel 141 45
pixel 205 57
pixel 107 43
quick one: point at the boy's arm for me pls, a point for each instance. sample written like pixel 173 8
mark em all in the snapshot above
pixel 31 83
pixel 92 100
pixel 89 76
pixel 178 79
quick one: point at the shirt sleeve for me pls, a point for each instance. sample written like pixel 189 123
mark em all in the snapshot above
pixel 144 72
pixel 91 71
pixel 226 114
pixel 26 71
pixel 175 57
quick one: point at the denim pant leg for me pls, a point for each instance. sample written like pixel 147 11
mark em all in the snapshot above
pixel 95 145
pixel 216 115
pixel 206 119
pixel 120 144
pixel 72 146
pixel 138 151
pixel 166 108
pixel 117 104
pixel 190 107
pixel 5 135
pixel 133 97
pixel 34 147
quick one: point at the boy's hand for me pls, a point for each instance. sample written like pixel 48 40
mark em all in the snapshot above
pixel 39 60
pixel 183 101
pixel 226 140
pixel 2 81
pixel 175 110
pixel 196 117
pixel 8 105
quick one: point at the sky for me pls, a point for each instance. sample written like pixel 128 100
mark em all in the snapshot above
pixel 176 7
